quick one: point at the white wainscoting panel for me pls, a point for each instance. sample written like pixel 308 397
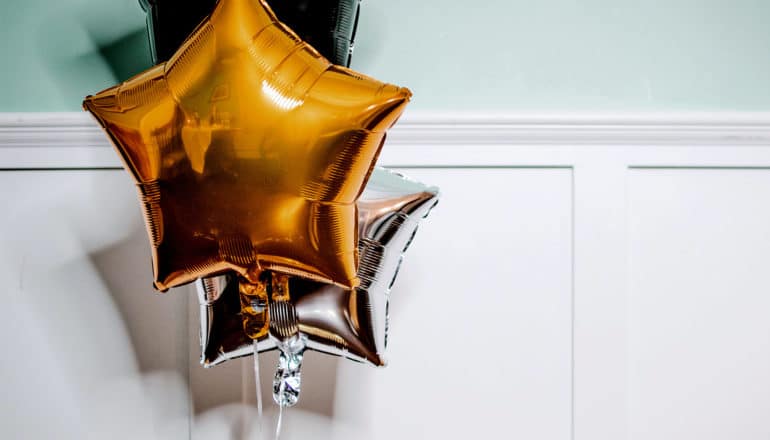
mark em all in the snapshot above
pixel 90 350
pixel 481 314
pixel 584 277
pixel 699 301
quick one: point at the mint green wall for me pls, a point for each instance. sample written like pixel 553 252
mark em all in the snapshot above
pixel 56 51
pixel 536 55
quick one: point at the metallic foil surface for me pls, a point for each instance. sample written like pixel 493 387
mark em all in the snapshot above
pixel 351 323
pixel 249 150
pixel 327 25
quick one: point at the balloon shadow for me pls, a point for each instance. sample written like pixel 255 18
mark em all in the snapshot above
pixel 156 323
pixel 127 55
pixel 88 60
pixel 163 339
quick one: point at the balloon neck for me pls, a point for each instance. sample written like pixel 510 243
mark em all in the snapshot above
pixel 256 314
pixel 284 330
pixel 287 381
pixel 254 308
pixel 267 311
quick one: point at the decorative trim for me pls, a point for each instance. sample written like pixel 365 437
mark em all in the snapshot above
pixel 585 129
pixel 75 137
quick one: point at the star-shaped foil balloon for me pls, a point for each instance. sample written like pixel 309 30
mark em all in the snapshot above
pixel 351 323
pixel 249 150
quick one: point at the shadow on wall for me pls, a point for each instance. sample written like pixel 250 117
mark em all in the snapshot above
pixel 156 323
pixel 70 360
pixel 127 55
pixel 93 351
pixel 162 327
pixel 59 52
pixel 112 58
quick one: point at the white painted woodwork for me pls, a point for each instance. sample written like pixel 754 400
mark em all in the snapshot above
pixel 698 301
pixel 89 349
pixel 585 277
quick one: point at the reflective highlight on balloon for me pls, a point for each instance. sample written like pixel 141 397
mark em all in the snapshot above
pixel 343 322
pixel 249 150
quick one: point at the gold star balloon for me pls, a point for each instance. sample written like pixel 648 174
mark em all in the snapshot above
pixel 249 150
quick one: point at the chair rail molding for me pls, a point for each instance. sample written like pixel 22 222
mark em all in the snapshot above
pixel 74 140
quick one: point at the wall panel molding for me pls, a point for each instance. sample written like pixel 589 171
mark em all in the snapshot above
pixel 72 139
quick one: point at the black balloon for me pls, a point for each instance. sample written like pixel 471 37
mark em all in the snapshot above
pixel 327 25
pixel 169 22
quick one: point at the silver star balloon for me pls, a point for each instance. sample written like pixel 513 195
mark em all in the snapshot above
pixel 324 317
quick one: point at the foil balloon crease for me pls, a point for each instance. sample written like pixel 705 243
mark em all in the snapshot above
pixel 351 323
pixel 249 150
pixel 327 25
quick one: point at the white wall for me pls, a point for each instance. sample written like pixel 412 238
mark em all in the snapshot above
pixel 580 280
